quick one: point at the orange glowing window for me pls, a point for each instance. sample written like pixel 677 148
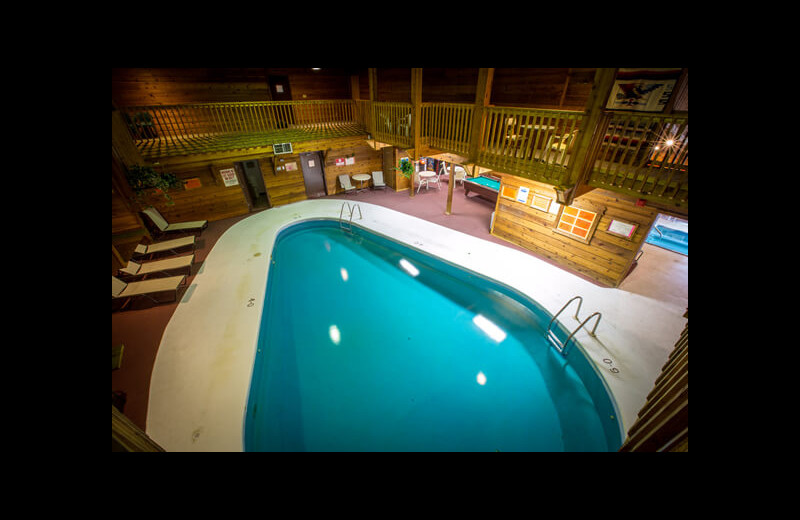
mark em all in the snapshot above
pixel 576 222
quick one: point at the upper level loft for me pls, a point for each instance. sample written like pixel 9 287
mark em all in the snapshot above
pixel 573 137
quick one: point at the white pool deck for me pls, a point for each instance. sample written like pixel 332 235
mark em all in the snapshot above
pixel 201 377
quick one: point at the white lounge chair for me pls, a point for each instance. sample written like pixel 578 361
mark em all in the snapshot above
pixel 158 266
pixel 377 181
pixel 344 180
pixel 162 226
pixel 120 289
pixel 170 246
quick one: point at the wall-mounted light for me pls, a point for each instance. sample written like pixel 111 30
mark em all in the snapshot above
pixel 564 195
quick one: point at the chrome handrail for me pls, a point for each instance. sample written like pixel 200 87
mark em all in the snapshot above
pixel 550 335
pixel 352 210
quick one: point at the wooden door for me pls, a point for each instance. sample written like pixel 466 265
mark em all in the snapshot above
pixel 279 88
pixel 313 174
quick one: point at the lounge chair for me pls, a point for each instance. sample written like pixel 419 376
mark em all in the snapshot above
pixel 344 180
pixel 169 246
pixel 120 289
pixel 159 266
pixel 377 181
pixel 162 227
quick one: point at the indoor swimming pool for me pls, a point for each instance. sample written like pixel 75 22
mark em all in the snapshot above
pixel 670 233
pixel 368 345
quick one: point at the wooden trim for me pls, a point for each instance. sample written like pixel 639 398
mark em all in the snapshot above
pixel 126 436
pixel 663 422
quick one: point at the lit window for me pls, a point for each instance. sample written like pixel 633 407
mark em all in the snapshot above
pixel 577 223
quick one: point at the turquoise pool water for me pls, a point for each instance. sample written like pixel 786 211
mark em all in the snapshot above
pixel 367 345
pixel 669 238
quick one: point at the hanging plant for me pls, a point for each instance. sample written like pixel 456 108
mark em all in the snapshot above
pixel 405 168
pixel 146 181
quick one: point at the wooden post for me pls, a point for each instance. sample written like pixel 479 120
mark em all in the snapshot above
pixel 355 89
pixel 416 107
pixel 483 95
pixel 450 181
pixel 373 84
pixel 601 87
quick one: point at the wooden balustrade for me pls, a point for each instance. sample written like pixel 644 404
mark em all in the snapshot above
pixel 531 142
pixel 176 122
pixel 391 123
pixel 447 126
pixel 644 155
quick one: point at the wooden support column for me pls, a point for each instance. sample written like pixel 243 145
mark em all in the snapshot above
pixel 355 88
pixel 483 95
pixel 601 87
pixel 373 84
pixel 450 181
pixel 416 108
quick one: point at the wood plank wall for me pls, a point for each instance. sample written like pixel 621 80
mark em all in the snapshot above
pixel 366 159
pixel 606 259
pixel 553 88
pixel 165 86
pixel 560 88
pixel 214 201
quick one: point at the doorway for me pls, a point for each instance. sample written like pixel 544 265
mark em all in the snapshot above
pixel 280 90
pixel 252 182
pixel 314 174
pixel 671 233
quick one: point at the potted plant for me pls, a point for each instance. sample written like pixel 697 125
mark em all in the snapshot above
pixel 405 168
pixel 143 179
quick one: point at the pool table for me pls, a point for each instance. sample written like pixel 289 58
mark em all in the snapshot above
pixel 484 186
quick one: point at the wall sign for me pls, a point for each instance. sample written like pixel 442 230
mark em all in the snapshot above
pixel 229 177
pixel 642 90
pixel 192 183
pixel 541 203
pixel 522 194
pixel 508 192
pixel 622 228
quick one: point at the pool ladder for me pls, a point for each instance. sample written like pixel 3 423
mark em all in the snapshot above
pixel 551 336
pixel 352 210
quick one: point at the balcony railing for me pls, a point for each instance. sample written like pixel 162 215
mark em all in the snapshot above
pixel 447 126
pixel 534 143
pixel 165 130
pixel 643 155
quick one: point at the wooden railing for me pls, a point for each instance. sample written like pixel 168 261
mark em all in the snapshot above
pixel 391 123
pixel 644 155
pixel 180 122
pixel 534 143
pixel 447 126
pixel 663 422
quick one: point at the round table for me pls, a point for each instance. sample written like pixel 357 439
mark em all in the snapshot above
pixel 423 177
pixel 361 177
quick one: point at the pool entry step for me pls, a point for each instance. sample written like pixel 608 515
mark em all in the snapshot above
pixel 553 339
pixel 351 209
